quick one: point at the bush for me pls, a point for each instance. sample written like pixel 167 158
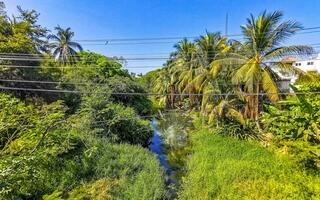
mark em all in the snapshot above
pixel 140 103
pixel 113 121
pixel 69 161
pixel 93 68
pixel 100 170
pixel 119 172
pixel 31 176
pixel 23 125
pixel 294 124
pixel 227 168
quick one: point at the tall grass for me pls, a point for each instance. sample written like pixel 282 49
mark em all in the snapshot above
pixel 227 168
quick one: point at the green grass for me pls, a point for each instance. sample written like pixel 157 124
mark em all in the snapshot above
pixel 227 168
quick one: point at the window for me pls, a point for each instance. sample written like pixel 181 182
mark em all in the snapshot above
pixel 298 64
pixel 310 63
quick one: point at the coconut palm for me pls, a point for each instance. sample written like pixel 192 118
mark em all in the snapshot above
pixel 64 47
pixel 185 65
pixel 163 85
pixel 264 37
pixel 210 47
pixel 224 109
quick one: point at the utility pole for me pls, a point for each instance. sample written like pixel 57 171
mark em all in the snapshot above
pixel 226 25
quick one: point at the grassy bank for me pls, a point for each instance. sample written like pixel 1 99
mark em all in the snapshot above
pixel 106 171
pixel 227 168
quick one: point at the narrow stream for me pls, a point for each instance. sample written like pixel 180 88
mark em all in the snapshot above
pixel 169 143
pixel 157 147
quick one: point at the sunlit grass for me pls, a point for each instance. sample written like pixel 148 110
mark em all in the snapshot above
pixel 227 168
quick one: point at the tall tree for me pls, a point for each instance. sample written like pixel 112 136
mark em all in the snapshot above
pixel 163 85
pixel 210 46
pixel 263 45
pixel 36 32
pixel 185 64
pixel 64 47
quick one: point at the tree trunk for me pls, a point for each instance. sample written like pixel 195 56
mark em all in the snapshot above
pixel 257 103
pixel 172 95
pixel 257 107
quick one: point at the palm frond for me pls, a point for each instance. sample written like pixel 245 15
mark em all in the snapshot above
pixel 76 45
pixel 270 86
pixel 281 52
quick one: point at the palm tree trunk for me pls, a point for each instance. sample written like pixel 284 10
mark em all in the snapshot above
pixel 257 107
pixel 252 106
pixel 257 102
pixel 172 95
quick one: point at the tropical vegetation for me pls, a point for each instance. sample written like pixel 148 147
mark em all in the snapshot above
pixel 232 89
pixel 73 126
pixel 83 143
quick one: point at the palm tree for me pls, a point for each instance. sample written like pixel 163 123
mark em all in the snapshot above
pixel 224 109
pixel 162 85
pixel 262 47
pixel 185 65
pixel 209 46
pixel 205 82
pixel 64 47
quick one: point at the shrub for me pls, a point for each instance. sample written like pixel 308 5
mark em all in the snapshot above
pixel 98 171
pixel 68 160
pixel 23 125
pixel 113 121
pixel 294 123
pixel 139 102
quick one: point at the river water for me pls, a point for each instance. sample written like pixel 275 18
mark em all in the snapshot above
pixel 170 144
pixel 157 146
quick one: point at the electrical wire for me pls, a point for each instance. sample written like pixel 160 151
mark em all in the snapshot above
pixel 37 57
pixel 6 58
pixel 96 67
pixel 157 94
pixel 71 67
pixel 182 37
pixel 87 84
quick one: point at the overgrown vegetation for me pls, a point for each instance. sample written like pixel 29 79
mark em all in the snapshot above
pixel 236 86
pixel 226 168
pixel 234 89
pixel 72 126
pixel 85 142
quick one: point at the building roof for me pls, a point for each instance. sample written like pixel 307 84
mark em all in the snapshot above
pixel 289 59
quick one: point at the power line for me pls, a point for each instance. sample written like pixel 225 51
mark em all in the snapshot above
pixel 96 67
pixel 126 43
pixel 40 57
pixel 87 84
pixel 177 38
pixel 72 67
pixel 117 59
pixel 157 94
pixel 50 82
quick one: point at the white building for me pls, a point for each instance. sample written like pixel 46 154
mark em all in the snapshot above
pixel 306 65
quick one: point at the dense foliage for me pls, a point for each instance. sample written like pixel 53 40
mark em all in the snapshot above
pixel 69 129
pixel 70 136
pixel 294 124
pixel 234 87
pixel 230 83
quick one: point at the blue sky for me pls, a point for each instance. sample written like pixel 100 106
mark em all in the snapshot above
pixel 99 19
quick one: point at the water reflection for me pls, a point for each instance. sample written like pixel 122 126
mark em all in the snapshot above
pixel 156 146
pixel 170 144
